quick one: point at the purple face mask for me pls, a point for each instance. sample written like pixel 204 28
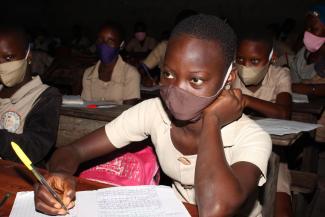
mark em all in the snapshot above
pixel 107 53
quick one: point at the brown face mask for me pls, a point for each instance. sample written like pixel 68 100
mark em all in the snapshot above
pixel 185 106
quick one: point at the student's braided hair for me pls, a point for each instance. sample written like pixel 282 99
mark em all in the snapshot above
pixel 209 27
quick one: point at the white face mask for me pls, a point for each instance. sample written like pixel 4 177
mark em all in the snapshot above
pixel 253 75
pixel 12 73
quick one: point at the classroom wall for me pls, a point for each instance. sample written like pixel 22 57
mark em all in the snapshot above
pixel 60 15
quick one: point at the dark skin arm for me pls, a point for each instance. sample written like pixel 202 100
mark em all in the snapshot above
pixel 220 188
pixel 63 165
pixel 309 89
pixel 280 109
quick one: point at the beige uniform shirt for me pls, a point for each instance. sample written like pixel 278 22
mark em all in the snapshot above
pixel 124 84
pixel 276 80
pixel 243 140
pixel 135 46
pixel 13 110
pixel 157 56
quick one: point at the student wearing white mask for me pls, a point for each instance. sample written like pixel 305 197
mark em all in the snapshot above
pixel 29 109
pixel 266 88
pixel 267 91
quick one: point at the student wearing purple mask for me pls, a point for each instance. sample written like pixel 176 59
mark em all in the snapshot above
pixel 111 79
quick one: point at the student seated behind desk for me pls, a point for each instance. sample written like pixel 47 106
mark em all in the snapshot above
pixel 29 109
pixel 266 90
pixel 215 156
pixel 111 79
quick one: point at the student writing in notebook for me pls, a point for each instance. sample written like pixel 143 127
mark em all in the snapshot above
pixel 267 91
pixel 215 156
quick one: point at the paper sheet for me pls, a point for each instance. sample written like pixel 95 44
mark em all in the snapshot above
pixel 283 127
pixel 132 201
pixel 299 98
pixel 75 101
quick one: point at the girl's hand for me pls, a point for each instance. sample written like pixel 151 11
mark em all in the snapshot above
pixel 227 107
pixel 64 185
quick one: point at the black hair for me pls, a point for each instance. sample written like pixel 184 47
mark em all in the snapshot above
pixel 258 35
pixel 18 32
pixel 209 27
pixel 183 14
pixel 140 27
pixel 116 27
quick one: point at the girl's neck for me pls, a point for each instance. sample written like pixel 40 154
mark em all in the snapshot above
pixel 105 71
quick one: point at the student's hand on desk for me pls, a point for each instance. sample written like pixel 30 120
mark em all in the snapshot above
pixel 64 185
pixel 227 107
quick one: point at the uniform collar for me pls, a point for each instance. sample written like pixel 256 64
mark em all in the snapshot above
pixel 25 90
pixel 95 72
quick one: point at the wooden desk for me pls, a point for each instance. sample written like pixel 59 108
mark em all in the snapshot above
pixel 285 140
pixel 15 177
pixel 78 122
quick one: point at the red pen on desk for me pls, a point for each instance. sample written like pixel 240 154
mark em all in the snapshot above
pixel 99 106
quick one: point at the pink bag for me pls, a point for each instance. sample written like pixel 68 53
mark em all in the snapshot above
pixel 131 168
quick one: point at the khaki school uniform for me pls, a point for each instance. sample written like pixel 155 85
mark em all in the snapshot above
pixel 14 110
pixel 157 56
pixel 243 140
pixel 277 80
pixel 135 46
pixel 124 84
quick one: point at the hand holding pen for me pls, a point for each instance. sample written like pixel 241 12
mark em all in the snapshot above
pixel 47 199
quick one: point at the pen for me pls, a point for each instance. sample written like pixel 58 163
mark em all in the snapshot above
pixel 23 157
pixel 100 106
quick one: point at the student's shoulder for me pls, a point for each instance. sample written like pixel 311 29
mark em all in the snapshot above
pixel 245 127
pixel 278 72
pixel 152 108
pixel 91 69
pixel 129 69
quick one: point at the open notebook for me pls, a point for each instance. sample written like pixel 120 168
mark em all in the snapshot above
pixel 131 201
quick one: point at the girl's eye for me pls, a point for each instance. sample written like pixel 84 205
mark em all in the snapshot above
pixel 197 81
pixel 167 75
pixel 255 61
pixel 9 58
pixel 239 60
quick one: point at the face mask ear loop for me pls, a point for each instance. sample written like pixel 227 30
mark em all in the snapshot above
pixel 122 45
pixel 271 54
pixel 27 52
pixel 226 77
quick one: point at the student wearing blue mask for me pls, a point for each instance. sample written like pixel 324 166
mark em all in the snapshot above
pixel 111 79
pixel 215 156
pixel 29 109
